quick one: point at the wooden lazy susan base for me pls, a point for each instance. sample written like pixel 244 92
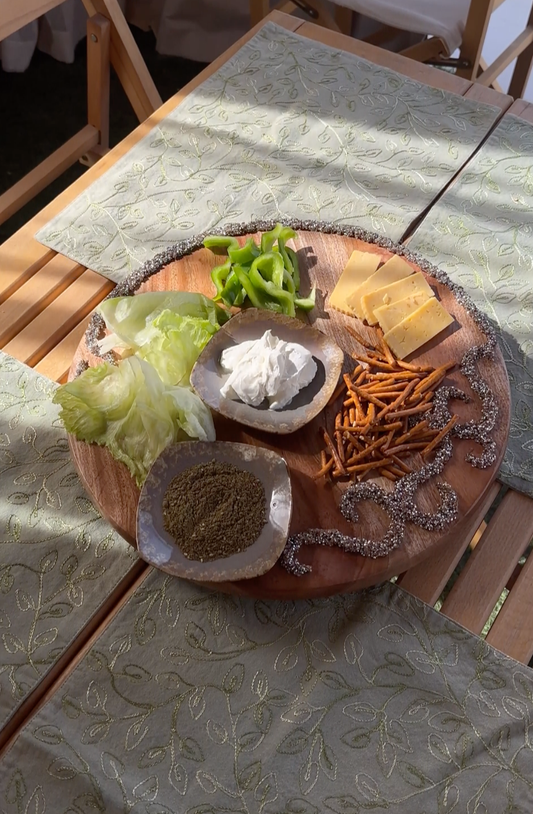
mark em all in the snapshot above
pixel 315 502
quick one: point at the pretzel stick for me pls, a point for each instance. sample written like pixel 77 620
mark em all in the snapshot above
pixel 422 408
pixel 374 362
pixel 407 447
pixel 386 351
pixel 370 465
pixel 388 474
pixel 331 447
pixel 324 470
pixel 438 438
pixel 378 399
pixel 365 394
pixel 434 377
pixel 399 401
pixel 414 368
pixel 338 437
pixel 366 452
pixel 359 338
pixel 401 464
pixel 418 428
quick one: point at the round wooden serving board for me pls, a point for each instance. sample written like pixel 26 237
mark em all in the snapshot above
pixel 322 259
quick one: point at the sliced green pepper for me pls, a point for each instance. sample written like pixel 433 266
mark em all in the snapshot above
pixel 288 282
pixel 293 259
pixel 306 303
pixel 246 255
pixel 269 238
pixel 220 244
pixel 241 296
pixel 219 276
pixel 276 297
pixel 263 293
pixel 270 267
pixel 232 290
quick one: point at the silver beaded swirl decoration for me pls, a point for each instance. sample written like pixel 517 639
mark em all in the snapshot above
pixel 399 503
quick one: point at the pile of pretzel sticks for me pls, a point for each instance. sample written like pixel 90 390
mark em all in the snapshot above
pixel 381 422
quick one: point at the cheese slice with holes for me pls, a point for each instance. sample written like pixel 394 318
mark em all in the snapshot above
pixel 393 270
pixel 418 328
pixel 389 316
pixel 415 284
pixel 359 268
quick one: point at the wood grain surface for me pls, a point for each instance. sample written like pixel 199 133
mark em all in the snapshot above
pixel 322 258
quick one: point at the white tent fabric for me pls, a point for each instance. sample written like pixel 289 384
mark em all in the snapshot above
pixel 440 18
pixel 203 29
pixel 56 33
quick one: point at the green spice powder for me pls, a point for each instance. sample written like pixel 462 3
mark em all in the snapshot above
pixel 214 510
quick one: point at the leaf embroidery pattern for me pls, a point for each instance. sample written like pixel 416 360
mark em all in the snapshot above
pixel 286 128
pixel 277 711
pixel 481 234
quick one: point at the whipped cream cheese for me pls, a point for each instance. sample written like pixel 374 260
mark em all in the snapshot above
pixel 266 368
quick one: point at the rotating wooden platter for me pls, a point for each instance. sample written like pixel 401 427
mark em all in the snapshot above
pixel 315 502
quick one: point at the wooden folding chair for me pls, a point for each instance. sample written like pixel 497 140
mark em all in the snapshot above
pixel 317 12
pixel 109 41
pixel 432 49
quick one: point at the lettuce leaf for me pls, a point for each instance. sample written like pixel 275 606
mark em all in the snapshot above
pixel 129 317
pixel 169 329
pixel 172 344
pixel 127 408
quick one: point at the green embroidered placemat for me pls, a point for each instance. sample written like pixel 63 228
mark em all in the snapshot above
pixel 202 703
pixel 481 233
pixel 58 559
pixel 286 128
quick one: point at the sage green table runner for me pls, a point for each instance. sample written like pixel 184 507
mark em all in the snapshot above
pixel 481 233
pixel 200 703
pixel 58 559
pixel 286 128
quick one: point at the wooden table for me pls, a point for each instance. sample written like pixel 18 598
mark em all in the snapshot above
pixel 45 303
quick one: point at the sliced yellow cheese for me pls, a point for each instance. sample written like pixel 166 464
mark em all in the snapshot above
pixel 359 268
pixel 414 284
pixel 390 315
pixel 393 270
pixel 418 328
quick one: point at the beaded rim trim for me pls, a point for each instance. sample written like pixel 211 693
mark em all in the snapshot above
pixel 399 503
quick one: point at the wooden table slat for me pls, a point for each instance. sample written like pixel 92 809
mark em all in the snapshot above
pixel 512 631
pixel 36 295
pixel 522 109
pixel 492 562
pixel 41 335
pixel 17 267
pixel 55 365
pixel 427 580
pixel 21 254
pixel 488 96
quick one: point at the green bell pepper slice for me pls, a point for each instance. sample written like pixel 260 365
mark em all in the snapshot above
pixel 288 282
pixel 293 260
pixel 270 267
pixel 279 232
pixel 276 298
pixel 246 255
pixel 269 238
pixel 263 293
pixel 232 293
pixel 306 303
pixel 219 276
pixel 220 244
